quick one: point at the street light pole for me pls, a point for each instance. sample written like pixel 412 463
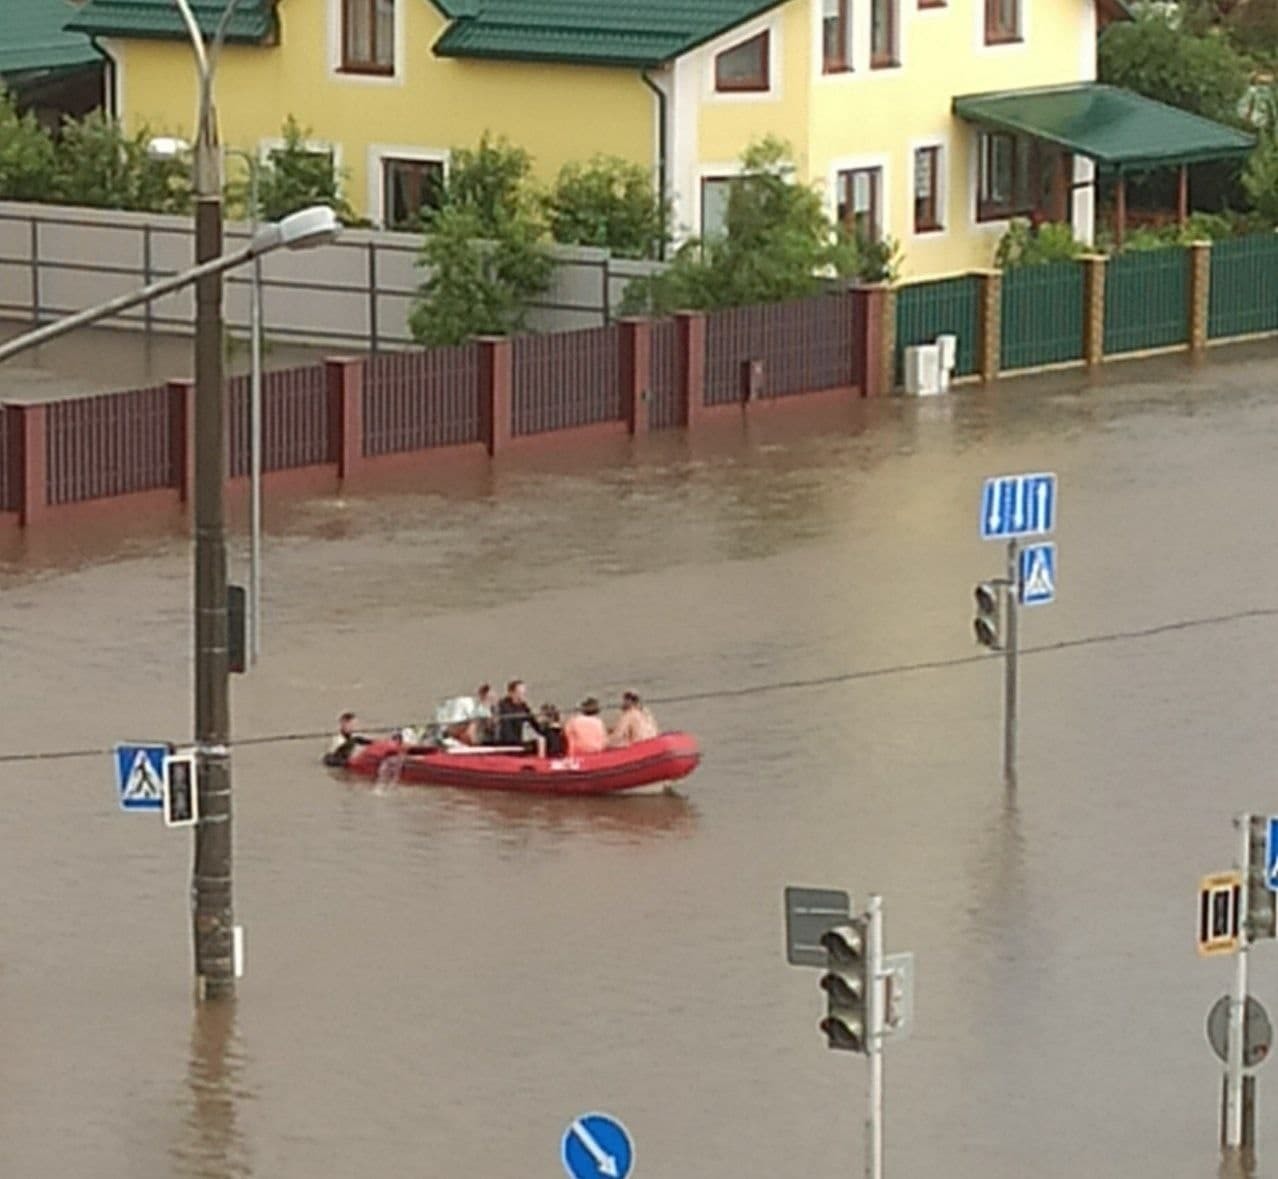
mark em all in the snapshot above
pixel 255 435
pixel 213 916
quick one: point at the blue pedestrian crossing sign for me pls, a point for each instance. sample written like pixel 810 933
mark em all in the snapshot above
pixel 1018 505
pixel 597 1146
pixel 139 775
pixel 1038 574
pixel 1271 854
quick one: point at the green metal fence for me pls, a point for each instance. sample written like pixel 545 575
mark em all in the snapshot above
pixel 1147 300
pixel 1042 317
pixel 926 310
pixel 1244 286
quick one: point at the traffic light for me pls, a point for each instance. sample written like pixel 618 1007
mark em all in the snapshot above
pixel 846 985
pixel 1260 900
pixel 987 624
pixel 181 793
pixel 236 629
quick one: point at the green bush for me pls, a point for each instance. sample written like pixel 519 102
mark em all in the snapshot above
pixel 1023 245
pixel 485 253
pixel 610 203
pixel 26 155
pixel 294 177
pixel 778 243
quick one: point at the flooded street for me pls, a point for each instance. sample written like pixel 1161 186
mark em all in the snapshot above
pixel 438 982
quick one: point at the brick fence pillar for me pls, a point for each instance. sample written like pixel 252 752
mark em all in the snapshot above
pixel 28 460
pixel 887 356
pixel 495 392
pixel 869 323
pixel 990 344
pixel 1199 295
pixel 344 379
pixel 1094 309
pixel 692 351
pixel 635 370
pixel 182 437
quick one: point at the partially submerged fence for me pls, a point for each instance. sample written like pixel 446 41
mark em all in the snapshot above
pixel 1244 286
pixel 633 376
pixel 1042 315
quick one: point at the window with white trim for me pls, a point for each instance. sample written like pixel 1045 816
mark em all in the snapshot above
pixel 927 190
pixel 836 36
pixel 408 187
pixel 715 191
pixel 368 36
pixel 1002 21
pixel 883 26
pixel 744 66
pixel 860 202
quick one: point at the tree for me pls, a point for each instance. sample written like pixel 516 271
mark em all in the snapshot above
pixel 1150 55
pixel 484 254
pixel 96 163
pixel 610 203
pixel 26 154
pixel 1260 179
pixel 777 244
pixel 294 177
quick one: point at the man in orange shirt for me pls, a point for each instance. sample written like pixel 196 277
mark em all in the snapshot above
pixel 585 732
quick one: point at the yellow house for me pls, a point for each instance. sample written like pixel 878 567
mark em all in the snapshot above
pixel 933 121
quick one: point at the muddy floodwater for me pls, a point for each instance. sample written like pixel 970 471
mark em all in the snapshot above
pixel 438 982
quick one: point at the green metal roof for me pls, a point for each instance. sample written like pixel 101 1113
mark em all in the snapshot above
pixel 34 39
pixel 253 22
pixel 601 32
pixel 1118 129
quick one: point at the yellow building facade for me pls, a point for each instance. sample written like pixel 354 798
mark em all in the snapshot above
pixel 861 89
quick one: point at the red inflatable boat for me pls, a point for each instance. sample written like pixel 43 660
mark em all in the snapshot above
pixel 657 762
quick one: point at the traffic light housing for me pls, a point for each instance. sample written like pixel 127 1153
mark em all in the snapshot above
pixel 847 985
pixel 987 624
pixel 1260 899
pixel 181 790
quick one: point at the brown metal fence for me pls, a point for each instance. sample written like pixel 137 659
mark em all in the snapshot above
pixel 296 430
pixel 107 445
pixel 568 379
pixel 803 345
pixel 8 501
pixel 416 400
pixel 665 377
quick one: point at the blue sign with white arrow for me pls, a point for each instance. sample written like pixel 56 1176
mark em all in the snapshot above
pixel 597 1146
pixel 139 775
pixel 1018 505
pixel 1271 854
pixel 1038 574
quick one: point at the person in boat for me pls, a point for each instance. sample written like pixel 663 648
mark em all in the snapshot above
pixel 512 714
pixel 485 729
pixel 456 724
pixel 636 723
pixel 585 731
pixel 551 741
pixel 347 740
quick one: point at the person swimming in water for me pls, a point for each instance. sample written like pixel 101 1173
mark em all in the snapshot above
pixel 346 741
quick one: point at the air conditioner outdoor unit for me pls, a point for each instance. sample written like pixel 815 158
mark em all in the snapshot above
pixel 923 369
pixel 947 345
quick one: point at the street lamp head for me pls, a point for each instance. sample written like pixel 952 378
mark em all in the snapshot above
pixel 315 226
pixel 167 147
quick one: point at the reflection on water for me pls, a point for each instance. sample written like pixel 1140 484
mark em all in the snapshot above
pixel 438 981
pixel 211 1145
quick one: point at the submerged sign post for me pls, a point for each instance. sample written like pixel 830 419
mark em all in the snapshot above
pixel 1014 507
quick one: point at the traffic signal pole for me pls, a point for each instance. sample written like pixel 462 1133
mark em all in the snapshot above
pixel 1232 1136
pixel 1011 656
pixel 874 1038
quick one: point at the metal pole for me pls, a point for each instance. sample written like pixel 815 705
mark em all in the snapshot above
pixel 1010 662
pixel 1238 1001
pixel 874 1039
pixel 255 427
pixel 212 915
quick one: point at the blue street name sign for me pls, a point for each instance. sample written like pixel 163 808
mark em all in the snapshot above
pixel 597 1146
pixel 139 775
pixel 1018 505
pixel 1038 574
pixel 1271 854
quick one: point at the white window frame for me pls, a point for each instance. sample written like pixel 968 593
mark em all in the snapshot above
pixel 336 73
pixel 378 154
pixel 942 187
pixel 745 32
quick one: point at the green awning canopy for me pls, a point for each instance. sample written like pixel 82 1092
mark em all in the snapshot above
pixel 1120 130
